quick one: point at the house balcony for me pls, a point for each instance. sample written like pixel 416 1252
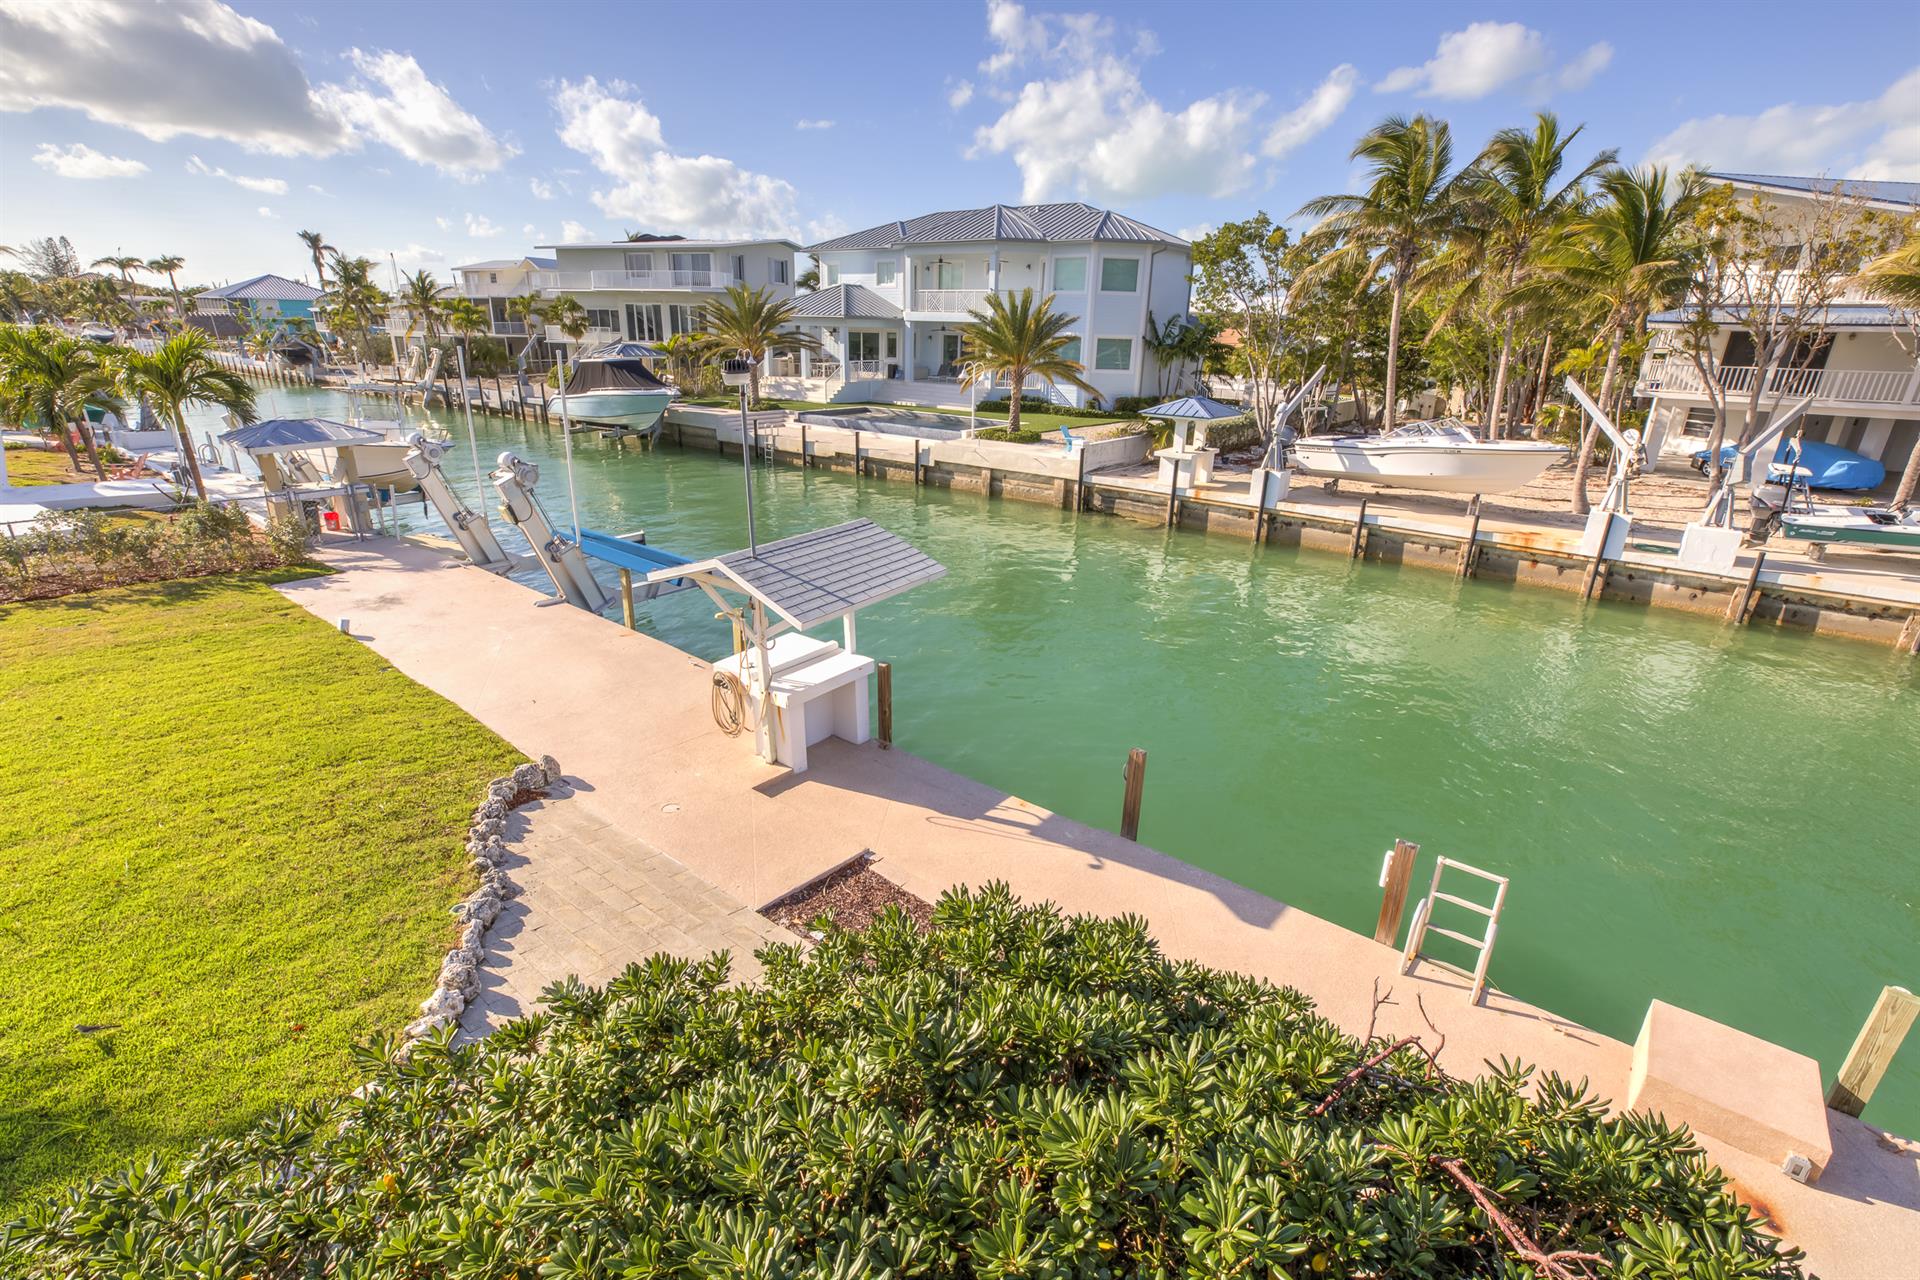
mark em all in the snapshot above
pixel 509 329
pixel 469 287
pixel 946 303
pixel 592 337
pixel 1849 388
pixel 553 282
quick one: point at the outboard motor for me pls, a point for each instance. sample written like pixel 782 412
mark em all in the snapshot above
pixel 1767 500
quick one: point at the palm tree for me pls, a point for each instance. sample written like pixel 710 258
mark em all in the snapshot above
pixel 749 323
pixel 168 265
pixel 465 317
pixel 1409 210
pixel 355 294
pixel 318 249
pixel 1517 201
pixel 1628 254
pixel 1017 338
pixel 1895 276
pixel 183 371
pixel 47 375
pixel 567 315
pixel 122 264
pixel 420 294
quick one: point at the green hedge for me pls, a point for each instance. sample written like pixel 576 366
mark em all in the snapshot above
pixel 1022 436
pixel 1013 1093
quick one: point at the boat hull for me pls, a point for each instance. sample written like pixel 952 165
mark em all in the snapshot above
pixel 1496 467
pixel 634 410
pixel 1856 530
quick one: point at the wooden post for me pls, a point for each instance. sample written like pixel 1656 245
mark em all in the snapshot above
pixel 919 472
pixel 626 596
pixel 1593 573
pixel 986 482
pixel 1359 547
pixel 856 452
pixel 1909 639
pixel 1737 607
pixel 805 461
pixel 885 670
pixel 1468 549
pixel 1893 1015
pixel 1136 775
pixel 1393 899
pixel 1080 482
pixel 1173 495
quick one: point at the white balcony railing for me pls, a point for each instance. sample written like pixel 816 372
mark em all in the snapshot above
pixel 948 302
pixel 472 287
pixel 593 337
pixel 510 328
pixel 1678 375
pixel 571 281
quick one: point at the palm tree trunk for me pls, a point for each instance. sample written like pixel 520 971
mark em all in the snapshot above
pixel 179 416
pixel 1904 494
pixel 1393 352
pixel 64 430
pixel 1500 384
pixel 93 449
pixel 1540 393
pixel 1013 406
pixel 1581 504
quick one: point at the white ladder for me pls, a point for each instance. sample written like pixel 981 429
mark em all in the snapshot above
pixel 1422 922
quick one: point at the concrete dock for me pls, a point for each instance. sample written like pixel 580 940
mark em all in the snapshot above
pixel 628 717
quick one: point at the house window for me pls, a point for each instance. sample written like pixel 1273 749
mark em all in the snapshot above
pixel 692 268
pixel 780 267
pixel 1070 275
pixel 885 272
pixel 1120 275
pixel 685 319
pixel 739 268
pixel 607 319
pixel 639 262
pixel 863 345
pixel 1070 350
pixel 893 345
pixel 833 273
pixel 1113 354
pixel 643 322
pixel 493 277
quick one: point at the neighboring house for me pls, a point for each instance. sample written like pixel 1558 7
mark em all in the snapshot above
pixel 894 298
pixel 491 285
pixel 652 289
pixel 1865 383
pixel 264 298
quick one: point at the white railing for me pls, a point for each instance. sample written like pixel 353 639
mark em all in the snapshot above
pixel 1851 386
pixel 865 369
pixel 562 281
pixel 510 328
pixel 473 287
pixel 592 338
pixel 952 302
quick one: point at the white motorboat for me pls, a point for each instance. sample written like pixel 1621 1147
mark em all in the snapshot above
pixel 612 387
pixel 1441 455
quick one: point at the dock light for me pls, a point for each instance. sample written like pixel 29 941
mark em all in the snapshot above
pixel 737 371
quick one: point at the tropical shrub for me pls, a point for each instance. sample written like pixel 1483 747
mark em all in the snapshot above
pixel 1011 1093
pixel 64 552
pixel 1022 436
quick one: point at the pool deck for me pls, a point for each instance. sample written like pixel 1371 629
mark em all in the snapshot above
pixel 628 717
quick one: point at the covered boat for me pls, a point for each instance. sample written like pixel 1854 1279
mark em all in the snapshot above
pixel 1441 455
pixel 612 386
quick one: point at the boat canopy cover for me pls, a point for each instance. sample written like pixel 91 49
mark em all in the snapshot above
pixel 610 373
pixel 1194 408
pixel 625 351
pixel 816 577
pixel 290 435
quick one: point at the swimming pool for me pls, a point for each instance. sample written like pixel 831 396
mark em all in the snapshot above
pixel 892 422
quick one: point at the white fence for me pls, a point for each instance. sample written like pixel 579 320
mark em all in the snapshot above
pixel 1852 386
pixel 562 280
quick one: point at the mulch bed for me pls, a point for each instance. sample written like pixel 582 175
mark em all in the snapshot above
pixel 854 896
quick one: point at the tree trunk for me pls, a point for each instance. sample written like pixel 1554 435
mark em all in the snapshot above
pixel 1393 352
pixel 193 459
pixel 1581 505
pixel 1500 384
pixel 93 448
pixel 1013 409
pixel 1904 494
pixel 64 430
pixel 1540 394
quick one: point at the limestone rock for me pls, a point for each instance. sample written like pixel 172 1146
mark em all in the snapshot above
pixel 550 768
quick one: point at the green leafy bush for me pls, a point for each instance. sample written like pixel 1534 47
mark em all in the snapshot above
pixel 64 552
pixel 1038 404
pixel 1012 1093
pixel 1022 436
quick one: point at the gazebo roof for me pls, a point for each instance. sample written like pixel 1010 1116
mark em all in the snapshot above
pixel 291 435
pixel 1194 408
pixel 818 576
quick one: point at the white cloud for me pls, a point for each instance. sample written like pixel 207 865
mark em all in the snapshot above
pixel 1877 139
pixel 1312 117
pixel 480 227
pixel 960 94
pixel 1198 231
pixel 813 124
pixel 414 116
pixel 318 190
pixel 572 232
pixel 663 190
pixel 82 161
pixel 1090 128
pixel 265 212
pixel 1492 55
pixel 265 186
pixel 443 222
pixel 541 190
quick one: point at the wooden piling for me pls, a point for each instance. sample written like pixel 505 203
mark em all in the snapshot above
pixel 806 460
pixel 1873 1049
pixel 1909 641
pixel 1136 776
pixel 1080 482
pixel 1594 566
pixel 856 451
pixel 1469 549
pixel 1393 899
pixel 885 670
pixel 919 471
pixel 626 596
pixel 1743 598
pixel 1358 547
pixel 1173 496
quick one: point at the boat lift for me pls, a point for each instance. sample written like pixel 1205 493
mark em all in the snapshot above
pixel 1273 478
pixel 560 556
pixel 1712 542
pixel 470 528
pixel 1607 527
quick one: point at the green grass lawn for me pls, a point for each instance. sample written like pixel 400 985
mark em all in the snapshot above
pixel 232 835
pixel 41 466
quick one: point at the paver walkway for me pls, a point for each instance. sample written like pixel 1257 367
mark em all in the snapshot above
pixel 593 900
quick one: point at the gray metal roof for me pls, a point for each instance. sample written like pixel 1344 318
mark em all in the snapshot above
pixel 1045 223
pixel 1198 408
pixel 1852 315
pixel 816 577
pixel 287 435
pixel 1903 193
pixel 844 302
pixel 269 287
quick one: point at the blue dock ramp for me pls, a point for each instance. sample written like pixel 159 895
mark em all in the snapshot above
pixel 625 553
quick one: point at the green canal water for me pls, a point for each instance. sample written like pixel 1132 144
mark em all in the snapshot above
pixel 1729 821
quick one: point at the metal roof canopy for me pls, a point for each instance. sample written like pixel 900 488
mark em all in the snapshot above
pixel 292 435
pixel 818 576
pixel 1195 409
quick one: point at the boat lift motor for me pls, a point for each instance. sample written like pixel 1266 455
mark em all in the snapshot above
pixel 559 555
pixel 1607 527
pixel 1273 478
pixel 469 527
pixel 1712 542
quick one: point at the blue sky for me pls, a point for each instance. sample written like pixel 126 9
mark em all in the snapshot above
pixel 450 132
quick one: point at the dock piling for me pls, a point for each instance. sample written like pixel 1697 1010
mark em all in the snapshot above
pixel 1396 879
pixel 1873 1049
pixel 885 670
pixel 1909 639
pixel 1737 608
pixel 626 596
pixel 1358 547
pixel 1136 776
pixel 1470 548
pixel 1596 567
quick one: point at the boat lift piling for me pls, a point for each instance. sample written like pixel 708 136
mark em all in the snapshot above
pixel 470 529
pixel 1607 528
pixel 560 556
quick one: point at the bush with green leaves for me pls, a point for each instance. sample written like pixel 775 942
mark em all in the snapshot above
pixel 1024 435
pixel 1011 1093
pixel 63 552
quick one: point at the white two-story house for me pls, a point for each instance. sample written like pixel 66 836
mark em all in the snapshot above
pixel 1864 377
pixel 893 298
pixel 650 290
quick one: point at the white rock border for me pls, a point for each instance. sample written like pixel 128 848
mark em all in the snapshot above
pixel 459 980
